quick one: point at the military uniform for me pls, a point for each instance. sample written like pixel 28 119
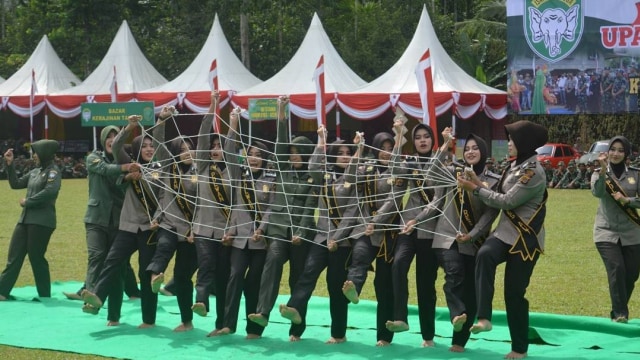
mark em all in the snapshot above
pixel 615 230
pixel 134 233
pixel 175 216
pixel 519 236
pixel 572 178
pixel 251 202
pixel 37 221
pixel 291 213
pixel 414 174
pixel 338 220
pixel 211 220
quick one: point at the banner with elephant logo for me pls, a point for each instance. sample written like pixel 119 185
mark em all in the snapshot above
pixel 573 56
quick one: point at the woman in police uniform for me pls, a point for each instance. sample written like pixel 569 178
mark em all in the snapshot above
pixel 38 219
pixel 615 231
pixel 289 222
pixel 518 238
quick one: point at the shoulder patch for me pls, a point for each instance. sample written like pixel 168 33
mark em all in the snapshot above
pixel 52 175
pixel 528 174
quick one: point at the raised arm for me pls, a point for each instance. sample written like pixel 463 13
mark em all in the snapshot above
pixel 204 134
pixel 282 140
pixel 231 147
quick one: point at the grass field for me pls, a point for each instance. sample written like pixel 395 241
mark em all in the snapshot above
pixel 568 279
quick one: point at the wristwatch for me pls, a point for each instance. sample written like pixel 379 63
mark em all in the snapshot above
pixel 476 191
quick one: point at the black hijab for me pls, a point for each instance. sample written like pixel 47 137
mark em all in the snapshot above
pixel 413 133
pixel 620 167
pixel 482 147
pixel 527 137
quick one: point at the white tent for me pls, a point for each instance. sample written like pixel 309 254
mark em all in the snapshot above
pixel 192 87
pixel 399 87
pixel 125 62
pixel 50 74
pixel 296 78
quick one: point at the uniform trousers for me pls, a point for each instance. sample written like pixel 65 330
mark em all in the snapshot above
pixel 336 263
pixel 459 288
pixel 32 240
pixel 185 266
pixel 623 267
pixel 246 270
pixel 383 287
pixel 124 245
pixel 517 275
pixel 408 246
pixel 362 255
pixel 278 253
pixel 214 263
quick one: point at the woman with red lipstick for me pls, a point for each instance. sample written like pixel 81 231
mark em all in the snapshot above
pixel 518 239
pixel 615 231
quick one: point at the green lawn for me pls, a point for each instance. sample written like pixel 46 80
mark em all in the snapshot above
pixel 568 279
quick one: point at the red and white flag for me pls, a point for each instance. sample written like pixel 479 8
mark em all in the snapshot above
pixel 114 86
pixel 318 77
pixel 213 83
pixel 34 85
pixel 427 97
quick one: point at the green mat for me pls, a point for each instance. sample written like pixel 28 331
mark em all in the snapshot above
pixel 59 324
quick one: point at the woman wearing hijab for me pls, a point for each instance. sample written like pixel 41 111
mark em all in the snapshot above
pixel 175 218
pixel 615 231
pixel 338 221
pixel 379 184
pixel 38 219
pixel 212 218
pixel 518 238
pixel 414 173
pixel 253 185
pixel 289 222
pixel 137 229
pixel 457 238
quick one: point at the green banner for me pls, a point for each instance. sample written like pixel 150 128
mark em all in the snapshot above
pixel 264 109
pixel 103 114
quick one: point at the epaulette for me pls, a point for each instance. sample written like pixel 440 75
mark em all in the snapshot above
pixel 492 175
pixel 529 165
pixel 155 165
pixel 634 168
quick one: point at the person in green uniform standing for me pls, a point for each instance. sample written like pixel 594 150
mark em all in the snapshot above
pixel 38 219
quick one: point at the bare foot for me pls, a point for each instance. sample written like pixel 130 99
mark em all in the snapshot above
pixel 165 292
pixel 199 309
pixel 2 298
pixel 482 325
pixel 146 326
pixel 185 326
pixel 334 340
pixel 213 333
pixel 620 319
pixel 397 326
pixel 156 282
pixel 252 336
pixel 259 319
pixel 458 322
pixel 113 323
pixel 294 338
pixel 428 343
pixel 134 298
pixel 349 291
pixel 223 331
pixel 72 296
pixel 456 349
pixel 91 299
pixel 87 308
pixel 290 313
pixel 515 355
pixel 382 343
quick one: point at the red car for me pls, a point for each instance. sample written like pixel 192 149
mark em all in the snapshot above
pixel 555 152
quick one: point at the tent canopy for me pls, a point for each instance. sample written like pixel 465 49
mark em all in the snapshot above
pixel 296 78
pixel 124 60
pixel 453 87
pixel 192 87
pixel 51 75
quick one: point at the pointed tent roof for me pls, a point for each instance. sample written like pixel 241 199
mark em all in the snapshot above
pixel 399 84
pixel 192 86
pixel 133 74
pixel 51 75
pixel 296 78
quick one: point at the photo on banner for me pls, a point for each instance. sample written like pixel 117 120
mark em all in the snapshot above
pixel 573 56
